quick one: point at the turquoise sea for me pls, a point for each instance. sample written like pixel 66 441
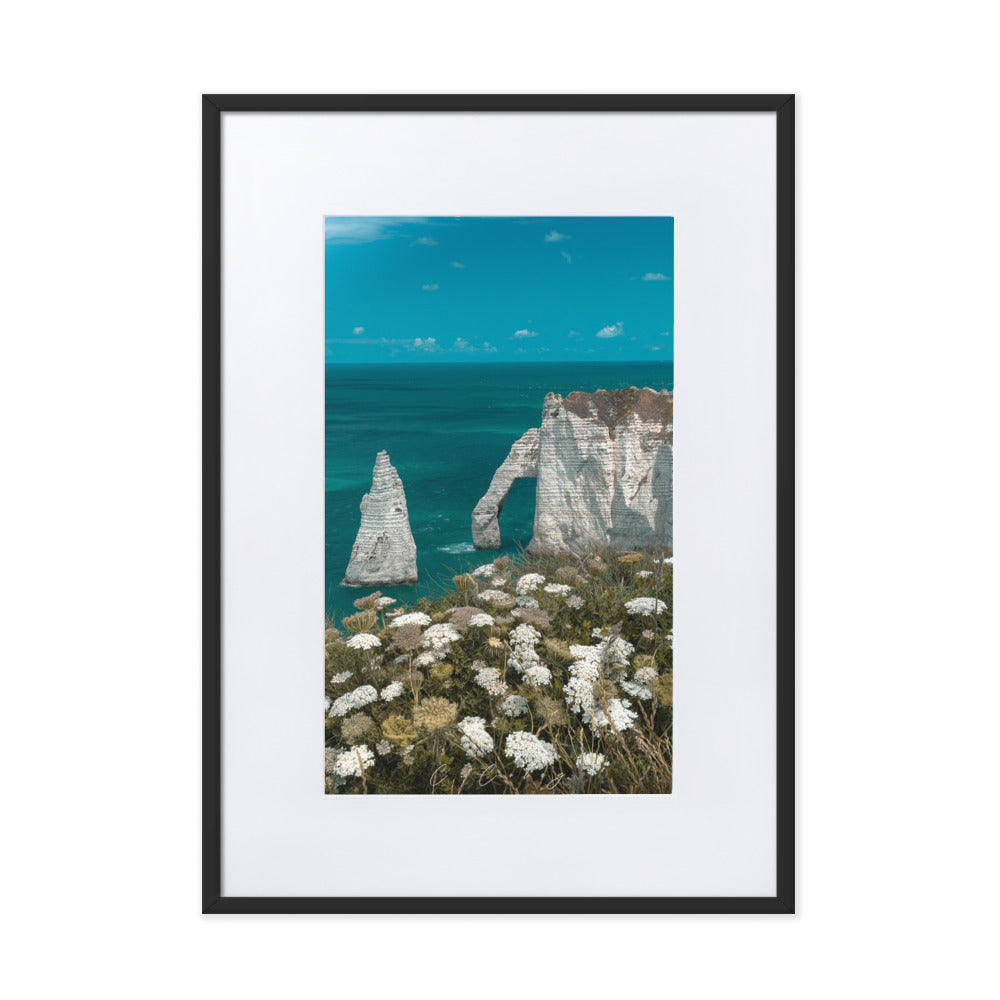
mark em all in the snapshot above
pixel 447 427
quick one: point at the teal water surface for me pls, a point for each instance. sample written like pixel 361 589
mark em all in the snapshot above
pixel 446 427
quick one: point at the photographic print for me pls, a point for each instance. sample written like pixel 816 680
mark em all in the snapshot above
pixel 499 505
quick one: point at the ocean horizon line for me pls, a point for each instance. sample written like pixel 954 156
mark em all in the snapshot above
pixel 497 364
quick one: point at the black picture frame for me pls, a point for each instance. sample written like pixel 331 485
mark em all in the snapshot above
pixel 213 107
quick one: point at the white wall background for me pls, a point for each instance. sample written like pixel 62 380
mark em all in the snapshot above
pixel 99 387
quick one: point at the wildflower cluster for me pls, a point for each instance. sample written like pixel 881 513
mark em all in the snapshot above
pixel 475 741
pixel 357 698
pixel 352 762
pixel 540 674
pixel 528 751
pixel 364 640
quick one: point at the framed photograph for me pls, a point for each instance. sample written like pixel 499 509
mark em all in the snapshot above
pixel 442 337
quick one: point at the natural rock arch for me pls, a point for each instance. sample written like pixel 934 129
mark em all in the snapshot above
pixel 604 467
pixel 520 463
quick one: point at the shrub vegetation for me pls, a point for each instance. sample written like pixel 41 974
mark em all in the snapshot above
pixel 535 674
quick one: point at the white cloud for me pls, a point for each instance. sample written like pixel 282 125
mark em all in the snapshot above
pixel 464 347
pixel 350 230
pixel 425 241
pixel 651 276
pixel 521 334
pixel 358 330
pixel 430 288
pixel 458 264
pixel 615 330
pixel 569 260
pixel 424 344
pixel 555 237
pixel 574 333
pixel 655 347
pixel 366 229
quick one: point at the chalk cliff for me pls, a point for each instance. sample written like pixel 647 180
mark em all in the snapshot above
pixel 605 470
pixel 384 552
pixel 604 465
pixel 521 463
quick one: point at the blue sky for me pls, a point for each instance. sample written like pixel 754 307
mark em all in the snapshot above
pixel 499 289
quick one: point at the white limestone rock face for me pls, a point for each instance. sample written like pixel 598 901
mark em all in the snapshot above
pixel 521 463
pixel 384 552
pixel 605 471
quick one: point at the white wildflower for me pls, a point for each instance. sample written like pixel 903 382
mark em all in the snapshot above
pixel 494 595
pixel 579 689
pixel 490 680
pixel 351 763
pixel 328 704
pixel 617 716
pixel 646 675
pixel 481 620
pixel 357 698
pixel 640 691
pixel 384 748
pixel 364 640
pixel 645 606
pixel 384 602
pixel 411 618
pixel 591 763
pixel 643 573
pixel 579 693
pixel 393 690
pixel 616 650
pixel 499 581
pixel 527 601
pixel 524 633
pixel 538 676
pixel 440 636
pixel 485 570
pixel 560 589
pixel 514 705
pixel 523 656
pixel 528 751
pixel 341 677
pixel 529 582
pixel 476 742
pixel 429 658
pixel 574 601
